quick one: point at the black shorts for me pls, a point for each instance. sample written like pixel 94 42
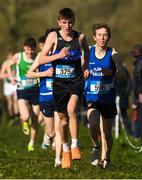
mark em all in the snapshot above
pixel 62 92
pixel 107 110
pixel 31 95
pixel 48 108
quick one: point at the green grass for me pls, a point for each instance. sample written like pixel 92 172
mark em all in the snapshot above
pixel 17 163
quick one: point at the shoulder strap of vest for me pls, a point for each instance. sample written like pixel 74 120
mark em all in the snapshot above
pixel 21 55
pixel 76 34
pixel 58 34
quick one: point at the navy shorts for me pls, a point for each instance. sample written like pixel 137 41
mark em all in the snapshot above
pixel 48 108
pixel 62 92
pixel 107 110
pixel 31 95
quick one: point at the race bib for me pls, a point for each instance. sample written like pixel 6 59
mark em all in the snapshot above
pixel 100 88
pixel 25 83
pixel 63 71
pixel 49 84
pixel 97 88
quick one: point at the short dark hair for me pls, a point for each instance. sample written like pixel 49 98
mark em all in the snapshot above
pixel 31 42
pixel 49 30
pixel 42 39
pixel 10 51
pixel 66 13
pixel 99 26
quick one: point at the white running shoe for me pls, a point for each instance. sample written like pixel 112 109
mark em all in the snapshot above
pixel 104 164
pixel 95 157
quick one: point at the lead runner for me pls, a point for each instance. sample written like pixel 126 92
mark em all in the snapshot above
pixel 68 80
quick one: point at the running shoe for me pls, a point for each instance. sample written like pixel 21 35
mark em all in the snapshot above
pixel 44 146
pixel 95 157
pixel 104 164
pixel 76 154
pixel 26 128
pixel 66 160
pixel 30 148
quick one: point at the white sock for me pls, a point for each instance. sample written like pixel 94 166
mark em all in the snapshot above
pixel 46 139
pixel 31 142
pixel 57 159
pixel 74 143
pixel 65 147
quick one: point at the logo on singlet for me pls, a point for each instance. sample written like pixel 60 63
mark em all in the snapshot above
pixel 60 39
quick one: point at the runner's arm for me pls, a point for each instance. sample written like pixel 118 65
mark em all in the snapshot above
pixel 3 71
pixel 34 73
pixel 11 62
pixel 86 55
pixel 121 73
pixel 48 46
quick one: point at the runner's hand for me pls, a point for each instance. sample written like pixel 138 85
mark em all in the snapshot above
pixel 86 73
pixel 49 72
pixel 63 53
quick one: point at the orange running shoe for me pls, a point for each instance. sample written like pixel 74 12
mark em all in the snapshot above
pixel 76 154
pixel 66 160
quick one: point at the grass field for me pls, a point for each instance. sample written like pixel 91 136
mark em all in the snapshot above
pixel 17 163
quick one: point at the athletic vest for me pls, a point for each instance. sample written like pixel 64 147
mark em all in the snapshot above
pixel 23 82
pixel 70 66
pixel 46 83
pixel 99 87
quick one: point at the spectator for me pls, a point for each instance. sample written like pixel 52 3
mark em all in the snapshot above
pixel 136 53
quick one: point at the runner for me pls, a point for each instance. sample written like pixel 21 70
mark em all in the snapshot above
pixel 68 81
pixel 100 92
pixel 47 104
pixel 9 90
pixel 27 89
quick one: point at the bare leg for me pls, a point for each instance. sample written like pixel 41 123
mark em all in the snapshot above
pixel 9 105
pixel 94 119
pixel 107 140
pixel 58 143
pixel 72 107
pixel 23 109
pixel 63 126
pixel 15 104
pixel 49 126
pixel 34 125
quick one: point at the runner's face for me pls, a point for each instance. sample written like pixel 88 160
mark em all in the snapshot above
pixel 28 51
pixel 101 37
pixel 66 24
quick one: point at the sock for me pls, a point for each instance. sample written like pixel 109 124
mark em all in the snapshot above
pixel 57 159
pixel 74 143
pixel 65 147
pixel 46 139
pixel 31 142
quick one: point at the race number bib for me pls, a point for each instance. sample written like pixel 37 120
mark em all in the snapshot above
pixel 49 84
pixel 97 88
pixel 63 71
pixel 100 88
pixel 25 83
